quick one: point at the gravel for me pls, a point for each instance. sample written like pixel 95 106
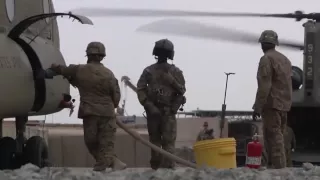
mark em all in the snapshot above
pixel 30 172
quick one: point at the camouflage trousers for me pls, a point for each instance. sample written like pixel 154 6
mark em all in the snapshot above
pixel 99 137
pixel 288 157
pixel 274 123
pixel 162 133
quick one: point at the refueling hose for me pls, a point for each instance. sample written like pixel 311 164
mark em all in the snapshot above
pixel 137 137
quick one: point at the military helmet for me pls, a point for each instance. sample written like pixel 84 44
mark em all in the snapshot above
pixel 96 48
pixel 269 36
pixel 164 47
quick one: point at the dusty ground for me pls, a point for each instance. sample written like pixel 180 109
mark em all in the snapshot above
pixel 30 172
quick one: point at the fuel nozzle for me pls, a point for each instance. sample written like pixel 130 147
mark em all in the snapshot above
pixel 67 101
pixel 45 74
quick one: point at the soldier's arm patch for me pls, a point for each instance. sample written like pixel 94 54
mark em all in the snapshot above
pixel 264 78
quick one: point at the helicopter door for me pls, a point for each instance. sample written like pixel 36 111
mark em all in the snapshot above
pixel 18 29
pixel 14 34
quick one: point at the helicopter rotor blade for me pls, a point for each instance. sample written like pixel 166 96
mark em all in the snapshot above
pixel 198 30
pixel 108 12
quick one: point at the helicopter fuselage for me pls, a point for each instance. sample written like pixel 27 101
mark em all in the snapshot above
pixel 29 44
pixel 308 95
pixel 22 93
pixel 305 112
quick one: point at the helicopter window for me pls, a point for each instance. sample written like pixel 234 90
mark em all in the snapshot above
pixel 10 8
pixel 46 8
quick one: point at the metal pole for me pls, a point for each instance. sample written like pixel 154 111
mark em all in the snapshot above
pixel 225 90
pixel 224 106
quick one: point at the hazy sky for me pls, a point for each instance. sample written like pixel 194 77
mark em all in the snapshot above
pixel 202 61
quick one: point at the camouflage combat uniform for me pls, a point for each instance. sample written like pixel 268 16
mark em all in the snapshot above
pixel 273 98
pixel 99 96
pixel 160 90
pixel 205 134
pixel 201 134
pixel 289 144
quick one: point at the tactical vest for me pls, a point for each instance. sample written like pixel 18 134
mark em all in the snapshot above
pixel 160 92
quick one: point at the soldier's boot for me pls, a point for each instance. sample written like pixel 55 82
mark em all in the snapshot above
pixel 155 162
pixel 167 164
pixel 103 163
pixel 118 165
pixel 154 165
pixel 115 165
pixel 278 163
pixel 100 166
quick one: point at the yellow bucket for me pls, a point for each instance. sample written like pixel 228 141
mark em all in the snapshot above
pixel 218 153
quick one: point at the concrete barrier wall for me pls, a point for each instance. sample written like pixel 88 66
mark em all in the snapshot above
pixel 67 148
pixel 70 151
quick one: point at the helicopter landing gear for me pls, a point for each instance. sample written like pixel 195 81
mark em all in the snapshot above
pixel 17 152
pixel 36 152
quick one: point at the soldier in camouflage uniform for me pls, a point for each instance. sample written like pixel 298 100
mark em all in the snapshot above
pixel 273 98
pixel 99 96
pixel 205 133
pixel 289 144
pixel 160 91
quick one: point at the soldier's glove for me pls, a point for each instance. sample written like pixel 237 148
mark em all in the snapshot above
pixel 255 115
pixel 151 108
pixel 46 74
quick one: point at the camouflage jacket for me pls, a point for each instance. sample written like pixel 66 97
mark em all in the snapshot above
pixel 205 135
pixel 99 89
pixel 162 84
pixel 289 138
pixel 274 82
